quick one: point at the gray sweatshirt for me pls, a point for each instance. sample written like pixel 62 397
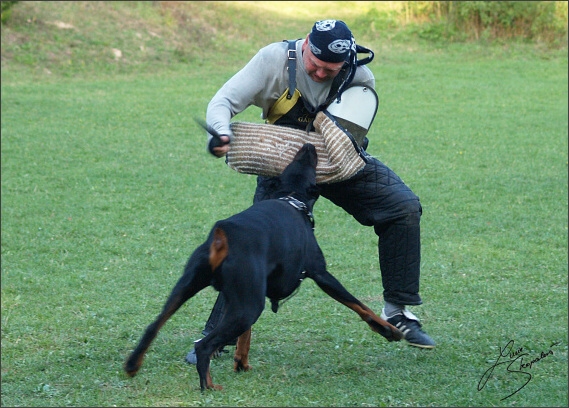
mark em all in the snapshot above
pixel 263 80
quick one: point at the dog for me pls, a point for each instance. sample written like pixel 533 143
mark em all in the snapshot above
pixel 264 251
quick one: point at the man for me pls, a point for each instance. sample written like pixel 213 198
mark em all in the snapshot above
pixel 325 63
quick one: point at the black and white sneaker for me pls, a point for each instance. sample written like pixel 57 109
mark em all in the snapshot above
pixel 410 326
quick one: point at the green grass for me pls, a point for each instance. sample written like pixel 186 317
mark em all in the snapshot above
pixel 107 189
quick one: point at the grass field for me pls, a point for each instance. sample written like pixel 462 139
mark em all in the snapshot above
pixel 107 189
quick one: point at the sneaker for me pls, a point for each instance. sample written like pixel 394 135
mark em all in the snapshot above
pixel 191 357
pixel 410 326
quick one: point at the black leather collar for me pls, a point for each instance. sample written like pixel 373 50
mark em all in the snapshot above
pixel 300 206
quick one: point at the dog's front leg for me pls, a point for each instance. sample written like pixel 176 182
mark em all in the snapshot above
pixel 210 384
pixel 337 291
pixel 241 356
pixel 203 367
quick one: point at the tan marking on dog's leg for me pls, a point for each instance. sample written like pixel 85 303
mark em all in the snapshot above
pixel 218 249
pixel 241 356
pixel 134 362
pixel 367 314
pixel 210 384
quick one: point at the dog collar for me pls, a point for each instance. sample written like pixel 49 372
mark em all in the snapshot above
pixel 300 206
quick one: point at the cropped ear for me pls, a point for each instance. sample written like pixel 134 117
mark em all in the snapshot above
pixel 314 191
pixel 268 188
pixel 273 183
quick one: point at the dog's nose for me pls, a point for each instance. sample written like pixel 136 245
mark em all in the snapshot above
pixel 309 147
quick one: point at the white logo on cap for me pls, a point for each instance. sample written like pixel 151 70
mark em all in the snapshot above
pixel 339 46
pixel 315 50
pixel 325 25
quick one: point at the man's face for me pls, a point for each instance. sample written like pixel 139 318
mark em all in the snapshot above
pixel 318 70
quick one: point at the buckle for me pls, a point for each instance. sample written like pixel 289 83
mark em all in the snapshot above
pixel 293 52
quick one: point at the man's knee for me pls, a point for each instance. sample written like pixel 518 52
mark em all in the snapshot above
pixel 413 208
pixel 407 213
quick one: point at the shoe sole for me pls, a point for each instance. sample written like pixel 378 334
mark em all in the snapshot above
pixel 423 346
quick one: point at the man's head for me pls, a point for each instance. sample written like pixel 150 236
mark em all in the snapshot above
pixel 326 49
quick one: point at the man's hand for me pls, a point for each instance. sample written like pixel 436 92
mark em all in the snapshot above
pixel 219 145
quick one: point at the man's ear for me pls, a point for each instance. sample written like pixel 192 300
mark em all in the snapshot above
pixel 305 43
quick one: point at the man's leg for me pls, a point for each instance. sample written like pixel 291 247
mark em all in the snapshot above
pixel 212 321
pixel 377 197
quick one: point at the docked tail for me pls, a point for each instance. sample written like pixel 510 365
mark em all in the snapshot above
pixel 218 249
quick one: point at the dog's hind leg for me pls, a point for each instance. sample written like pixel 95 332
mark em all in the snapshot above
pixel 203 368
pixel 204 349
pixel 230 327
pixel 239 315
pixel 197 275
pixel 241 356
pixel 329 284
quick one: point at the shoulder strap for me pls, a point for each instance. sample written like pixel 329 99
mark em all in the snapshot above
pixel 352 66
pixel 291 67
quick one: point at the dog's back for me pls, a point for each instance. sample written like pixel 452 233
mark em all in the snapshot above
pixel 268 227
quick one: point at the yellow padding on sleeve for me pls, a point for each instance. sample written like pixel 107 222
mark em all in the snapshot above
pixel 282 106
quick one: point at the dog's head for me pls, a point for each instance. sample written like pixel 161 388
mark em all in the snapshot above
pixel 298 178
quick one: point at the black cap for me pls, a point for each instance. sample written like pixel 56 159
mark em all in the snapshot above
pixel 331 40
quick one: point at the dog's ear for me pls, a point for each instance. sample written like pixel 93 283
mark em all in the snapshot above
pixel 269 188
pixel 314 191
pixel 273 183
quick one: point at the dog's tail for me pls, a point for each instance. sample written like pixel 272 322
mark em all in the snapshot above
pixel 196 277
pixel 218 249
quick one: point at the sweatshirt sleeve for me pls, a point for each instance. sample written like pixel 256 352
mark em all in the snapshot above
pixel 257 83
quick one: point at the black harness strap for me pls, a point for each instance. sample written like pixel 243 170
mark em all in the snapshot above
pixel 291 54
pixel 352 65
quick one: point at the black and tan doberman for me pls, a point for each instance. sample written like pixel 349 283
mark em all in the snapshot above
pixel 264 251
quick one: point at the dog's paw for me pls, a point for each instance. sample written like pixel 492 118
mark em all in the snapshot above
pixel 387 330
pixel 212 387
pixel 396 334
pixel 131 366
pixel 239 366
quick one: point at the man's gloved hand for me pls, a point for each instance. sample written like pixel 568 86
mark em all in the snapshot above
pixel 218 145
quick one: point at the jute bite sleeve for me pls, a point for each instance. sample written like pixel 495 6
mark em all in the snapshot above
pixel 265 150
